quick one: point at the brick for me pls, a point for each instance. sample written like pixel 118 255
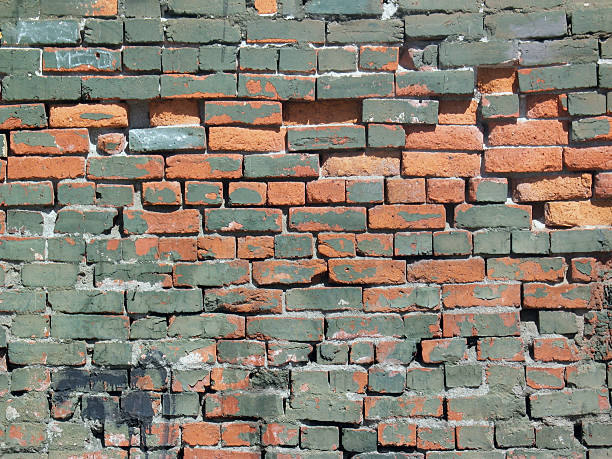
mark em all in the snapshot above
pixel 84 221
pixel 501 324
pixel 167 138
pixel 31 87
pixel 375 245
pixel 568 50
pixel 526 269
pixel 568 403
pixel 478 53
pixel 378 58
pixel 487 190
pixel 365 30
pixel 125 168
pixel 216 85
pixel 442 137
pixel 430 26
pixel 293 246
pixel 504 348
pixel 39 167
pixel 50 141
pixel 445 190
pixel 285 31
pixel 500 106
pixel 327 219
pixel 546 105
pixel 336 245
pixel 236 113
pixel 481 295
pixel 382 163
pixel 563 296
pixel 386 136
pixel 276 87
pixel 23 116
pixel 258 59
pixel 362 86
pixel 247 193
pixel 286 194
pixel 485 407
pixel 557 78
pixel 406 217
pixel 81 60
pixel 587 158
pixel 560 187
pixel 103 32
pixel 510 160
pixel 41 32
pixel 457 111
pixel 440 164
pixel 425 83
pixel 367 271
pixel 364 191
pixel 325 191
pixel 405 406
pixel 452 243
pixel 287 272
pixel 342 59
pixel 401 299
pixel 597 128
pixel 326 138
pixel 297 60
pixel 285 328
pixel 161 193
pixel 281 165
pixel 216 247
pixel 120 87
pixel 245 139
pixel 405 191
pixel 172 112
pixel 142 58
pixel 445 271
pixel 577 213
pixel 603 186
pixel 243 220
pixel 400 111
pixel 531 132
pixel 88 116
pixel 497 79
pixel 203 167
pixel 111 143
pixel 492 216
pixel 586 103
pixel 545 377
pixel 146 222
pixel 253 247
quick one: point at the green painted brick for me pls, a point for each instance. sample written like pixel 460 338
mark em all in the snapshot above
pixel 293 329
pixel 343 8
pixel 164 302
pixel 103 32
pixel 324 299
pixel 337 59
pixel 403 111
pixel 514 433
pixel 125 87
pixel 242 113
pixel 97 59
pixel 86 301
pixel 235 351
pixel 293 246
pixel 325 408
pixel 216 83
pixel 327 218
pixel 204 193
pixel 586 103
pixel 389 406
pixel 597 433
pixel 208 326
pixel 83 326
pixel 359 440
pixel 3 146
pixel 28 353
pixel 492 216
pixel 276 87
pixel 143 31
pixel 152 273
pixel 530 242
pixel 421 325
pixel 332 353
pixel 180 60
pixel 360 86
pixel 65 249
pixel 261 59
pixel 492 242
pixel 182 404
pixel 142 58
pixel 75 221
pixel 30 326
pixel 489 190
pixel 122 168
pixel 326 138
pixel 167 139
pixel 114 195
pixel 438 5
pixel 555 437
pixel 275 30
pixel 243 220
pixel 539 24
pixel 28 379
pixel 210 7
pixel 41 32
pixel 588 374
pixel 439 82
pixel 589 129
pixel 364 191
pixel 386 136
pixel 279 166
pixel 592 20
pixel 246 195
pixel 19 61
pixel 372 325
pixel 76 193
pixel 452 243
pixel 321 438
pixel 23 115
pixel 218 58
pixel 51 275
pixel 149 328
pixel 413 244
pixel 366 31
pixel 475 437
pixel 24 221
pixel 575 402
pixel 575 51
pixel 19 8
pixel 22 301
pixel 502 348
pixel 500 106
pixel 33 87
pixel 26 194
pixel 386 381
pixel 488 407
pixel 477 53
pixel 189 30
pixel 561 322
pixel 297 60
pixel 558 77
pixel 22 249
pixel 468 25
pixel 141 8
pixel 210 274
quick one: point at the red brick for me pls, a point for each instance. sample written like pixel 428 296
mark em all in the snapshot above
pixel 546 105
pixel 179 221
pixel 481 295
pixel 39 167
pixel 80 115
pixel 447 271
pixel 591 269
pixel 198 167
pixel 497 79
pixel 178 249
pixel 405 191
pixel 167 188
pixel 221 381
pixel 216 247
pixel 286 193
pixel 325 191
pixel 603 185
pixel 361 164
pixel 588 158
pixel 65 141
pixel 336 245
pixel 245 139
pixel 457 111
pixel 322 112
pixel 443 137
pixel 424 164
pixel 451 190
pixel 253 247
pixel 406 216
pixel 553 188
pixel 545 377
pixel 562 296
pixel 201 453
pixel 532 132
pixel 508 160
pixel 201 433
pixel 239 433
pixel 112 143
pixel 578 213
pixel 382 300
pixel 555 350
pixel 278 434
pixel 171 112
pixel 367 271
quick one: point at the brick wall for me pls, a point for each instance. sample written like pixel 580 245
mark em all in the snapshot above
pixel 305 229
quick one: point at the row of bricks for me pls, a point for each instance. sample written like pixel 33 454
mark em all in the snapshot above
pixel 289 87
pixel 268 405
pixel 473 26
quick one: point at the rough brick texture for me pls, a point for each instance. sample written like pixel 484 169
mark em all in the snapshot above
pixel 305 229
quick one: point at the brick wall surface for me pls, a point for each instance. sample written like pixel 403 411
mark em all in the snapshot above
pixel 303 229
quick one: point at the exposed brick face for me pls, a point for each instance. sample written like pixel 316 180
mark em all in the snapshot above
pixel 288 229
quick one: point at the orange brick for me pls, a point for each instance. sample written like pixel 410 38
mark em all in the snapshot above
pixel 170 112
pixel 555 350
pixel 40 167
pixel 325 191
pixel 532 132
pixel 578 213
pixel 546 105
pixel 265 6
pixel 443 137
pixel 161 193
pixel 216 247
pixel 178 248
pixel 447 190
pixel 245 139
pixel 65 141
pixel 423 164
pixel 508 160
pixel 322 112
pixel 603 185
pixel 588 158
pixel 84 115
pixel 336 245
pixel 553 188
pixel 407 216
pixel 201 433
pixel 500 79
pixel 405 191
pixel 365 164
pixel 286 193
pixel 457 111
pixel 447 271
pixel 253 247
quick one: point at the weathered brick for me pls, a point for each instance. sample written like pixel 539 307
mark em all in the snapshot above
pixel 426 216
pixel 327 218
pixel 509 160
pixel 424 83
pixel 287 272
pixel 276 87
pixel 367 271
pixel 203 167
pixel 565 296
